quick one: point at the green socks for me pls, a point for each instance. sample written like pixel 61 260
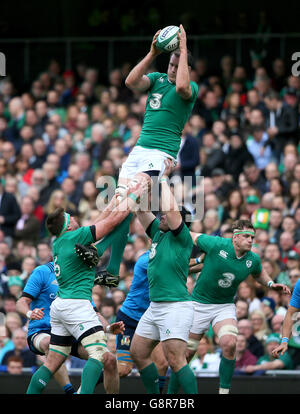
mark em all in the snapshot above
pixel 149 376
pixel 39 380
pixel 226 369
pixel 174 384
pixel 117 239
pixel 90 375
pixel 187 380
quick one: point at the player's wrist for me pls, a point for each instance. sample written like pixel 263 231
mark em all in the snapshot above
pixel 107 329
pixel 28 314
pixel 270 283
pixel 285 340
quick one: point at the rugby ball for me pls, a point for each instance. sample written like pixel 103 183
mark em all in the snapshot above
pixel 167 40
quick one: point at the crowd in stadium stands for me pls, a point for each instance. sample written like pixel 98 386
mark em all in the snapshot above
pixel 67 131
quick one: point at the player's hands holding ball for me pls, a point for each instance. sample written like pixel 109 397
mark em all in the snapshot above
pixel 181 34
pixel 154 50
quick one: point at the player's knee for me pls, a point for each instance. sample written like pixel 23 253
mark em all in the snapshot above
pixel 109 361
pixel 124 369
pixel 228 337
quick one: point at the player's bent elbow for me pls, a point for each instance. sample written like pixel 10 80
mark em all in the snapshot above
pixel 184 91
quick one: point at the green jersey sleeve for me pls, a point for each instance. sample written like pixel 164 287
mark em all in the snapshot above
pixel 257 267
pixel 206 243
pixel 152 77
pixel 153 228
pixel 85 235
pixel 182 235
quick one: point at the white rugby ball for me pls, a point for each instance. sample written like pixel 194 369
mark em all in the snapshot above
pixel 167 40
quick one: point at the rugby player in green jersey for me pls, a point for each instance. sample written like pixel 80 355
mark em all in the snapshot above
pixel 71 313
pixel 228 261
pixel 169 317
pixel 171 97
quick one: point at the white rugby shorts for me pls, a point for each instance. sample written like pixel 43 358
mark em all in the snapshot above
pixel 166 320
pixel 143 159
pixel 206 314
pixel 72 317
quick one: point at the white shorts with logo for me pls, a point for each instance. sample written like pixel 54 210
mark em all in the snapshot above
pixel 143 159
pixel 72 317
pixel 166 320
pixel 206 314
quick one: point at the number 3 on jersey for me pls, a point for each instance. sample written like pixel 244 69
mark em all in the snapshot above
pixel 155 101
pixel 227 281
pixel 56 267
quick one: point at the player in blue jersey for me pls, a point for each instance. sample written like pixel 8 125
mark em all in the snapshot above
pixel 38 294
pixel 131 311
pixel 289 320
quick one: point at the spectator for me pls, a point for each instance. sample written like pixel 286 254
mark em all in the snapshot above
pixel 259 323
pixel 247 292
pixel 259 147
pixel 211 155
pixel 243 356
pixel 253 344
pixel 9 213
pixel 268 308
pixel 237 156
pixel 28 226
pixel 206 362
pixel 21 350
pixel 242 309
pixel 14 365
pixel 267 361
pixel 282 123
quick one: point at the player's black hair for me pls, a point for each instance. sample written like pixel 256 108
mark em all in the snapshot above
pixel 189 56
pixel 55 221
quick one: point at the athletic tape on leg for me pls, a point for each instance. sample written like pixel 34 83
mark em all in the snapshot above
pixel 227 330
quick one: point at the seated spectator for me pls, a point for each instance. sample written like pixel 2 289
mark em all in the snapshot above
pixel 268 362
pixel 14 365
pixel 268 306
pixel 21 350
pixel 211 155
pixel 206 362
pixel 242 309
pixel 211 223
pixel 9 213
pixel 246 292
pixel 253 344
pixel 259 146
pixel 243 356
pixel 28 226
pixel 233 207
pixel 276 323
pixel 108 310
pixel 260 326
pixel 6 344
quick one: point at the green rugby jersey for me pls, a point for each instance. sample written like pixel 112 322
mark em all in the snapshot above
pixel 222 271
pixel 166 115
pixel 75 279
pixel 169 264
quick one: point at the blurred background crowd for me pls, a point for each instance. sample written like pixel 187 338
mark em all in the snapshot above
pixel 59 137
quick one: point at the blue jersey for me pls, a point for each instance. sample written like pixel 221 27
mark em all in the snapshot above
pixel 42 288
pixel 137 299
pixel 295 299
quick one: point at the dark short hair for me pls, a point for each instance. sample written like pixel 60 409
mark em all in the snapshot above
pixel 190 58
pixel 242 224
pixel 55 221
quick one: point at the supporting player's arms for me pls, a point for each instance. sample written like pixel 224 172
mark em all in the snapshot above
pixel 195 237
pixel 263 278
pixel 145 218
pixel 286 331
pixel 183 86
pixel 137 80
